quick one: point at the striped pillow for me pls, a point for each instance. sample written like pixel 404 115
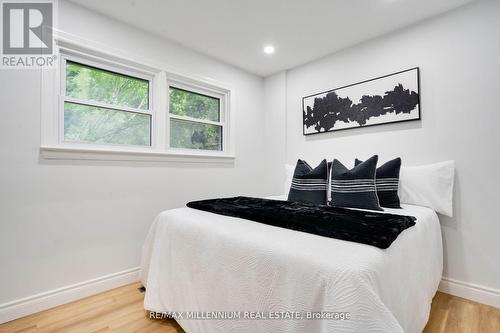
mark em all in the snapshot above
pixel 308 184
pixel 387 183
pixel 355 188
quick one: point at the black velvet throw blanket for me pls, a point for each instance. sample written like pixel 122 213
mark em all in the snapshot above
pixel 370 228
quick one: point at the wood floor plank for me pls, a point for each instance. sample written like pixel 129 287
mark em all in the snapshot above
pixel 121 311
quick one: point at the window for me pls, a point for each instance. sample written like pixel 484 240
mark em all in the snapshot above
pixel 105 107
pixel 195 120
pixel 96 105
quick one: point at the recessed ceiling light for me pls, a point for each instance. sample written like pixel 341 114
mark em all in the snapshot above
pixel 269 49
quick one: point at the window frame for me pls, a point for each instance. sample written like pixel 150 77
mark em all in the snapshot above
pixel 205 91
pixel 103 65
pixel 159 77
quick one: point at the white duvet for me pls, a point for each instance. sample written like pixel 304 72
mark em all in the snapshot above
pixel 199 261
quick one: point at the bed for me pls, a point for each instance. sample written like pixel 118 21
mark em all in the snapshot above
pixel 199 261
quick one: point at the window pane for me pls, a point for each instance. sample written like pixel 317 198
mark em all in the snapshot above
pixel 192 135
pixel 93 84
pixel 90 124
pixel 187 103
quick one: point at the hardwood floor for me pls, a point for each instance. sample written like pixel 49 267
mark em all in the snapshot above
pixel 450 314
pixel 120 310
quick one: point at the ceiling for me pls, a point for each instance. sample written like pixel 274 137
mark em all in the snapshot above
pixel 235 31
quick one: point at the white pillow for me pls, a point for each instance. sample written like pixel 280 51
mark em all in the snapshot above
pixel 428 185
pixel 289 170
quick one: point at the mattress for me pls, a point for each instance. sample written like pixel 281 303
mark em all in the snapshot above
pixel 222 275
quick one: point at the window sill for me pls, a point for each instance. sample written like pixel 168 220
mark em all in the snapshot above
pixel 79 153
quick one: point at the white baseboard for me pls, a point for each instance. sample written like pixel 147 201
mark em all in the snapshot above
pixel 470 291
pixel 43 301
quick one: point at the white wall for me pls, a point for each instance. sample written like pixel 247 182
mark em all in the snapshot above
pixel 63 222
pixel 275 129
pixel 459 58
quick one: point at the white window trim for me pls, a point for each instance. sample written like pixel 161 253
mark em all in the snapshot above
pixel 52 98
pixel 208 91
pixel 65 56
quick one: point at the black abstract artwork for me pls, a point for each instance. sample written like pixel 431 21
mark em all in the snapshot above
pixel 386 99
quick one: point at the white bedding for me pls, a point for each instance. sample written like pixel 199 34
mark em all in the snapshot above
pixel 199 261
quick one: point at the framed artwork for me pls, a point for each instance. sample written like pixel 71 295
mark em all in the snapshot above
pixel 387 99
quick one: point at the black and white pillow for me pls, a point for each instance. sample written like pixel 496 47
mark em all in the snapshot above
pixel 387 183
pixel 355 188
pixel 308 184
